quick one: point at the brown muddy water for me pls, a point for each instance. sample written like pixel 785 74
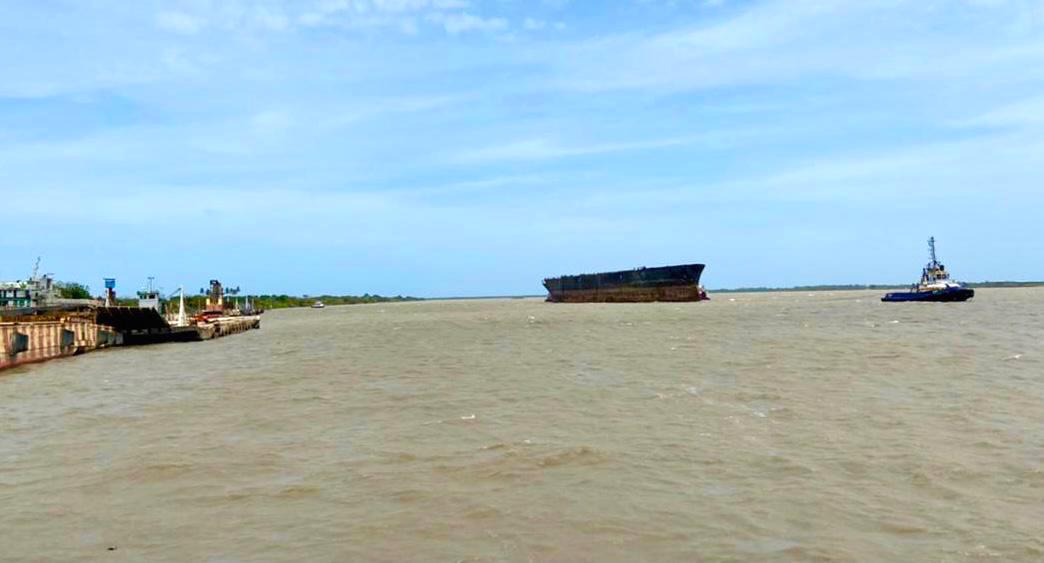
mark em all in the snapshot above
pixel 754 427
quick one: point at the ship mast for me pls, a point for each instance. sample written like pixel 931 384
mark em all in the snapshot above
pixel 181 308
pixel 931 249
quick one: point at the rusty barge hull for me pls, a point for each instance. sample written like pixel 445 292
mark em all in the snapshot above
pixel 37 335
pixel 28 342
pixel 628 295
pixel 641 285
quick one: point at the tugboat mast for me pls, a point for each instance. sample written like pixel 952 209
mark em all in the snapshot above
pixel 931 248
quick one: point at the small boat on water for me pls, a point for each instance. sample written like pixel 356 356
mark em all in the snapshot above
pixel 935 284
pixel 318 305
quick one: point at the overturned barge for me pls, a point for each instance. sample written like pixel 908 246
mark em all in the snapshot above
pixel 665 283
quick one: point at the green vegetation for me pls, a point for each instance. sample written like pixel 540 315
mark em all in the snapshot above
pixel 285 301
pixel 1007 284
pixel 269 302
pixel 73 290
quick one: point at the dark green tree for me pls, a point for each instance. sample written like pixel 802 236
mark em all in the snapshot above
pixel 73 290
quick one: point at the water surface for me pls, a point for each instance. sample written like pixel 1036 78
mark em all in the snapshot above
pixel 775 426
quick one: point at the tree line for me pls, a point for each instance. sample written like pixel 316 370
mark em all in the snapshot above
pixel 74 290
pixel 268 302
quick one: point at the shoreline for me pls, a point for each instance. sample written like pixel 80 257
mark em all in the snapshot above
pixel 871 287
pixel 799 289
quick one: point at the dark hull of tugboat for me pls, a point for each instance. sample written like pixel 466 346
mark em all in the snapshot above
pixel 948 295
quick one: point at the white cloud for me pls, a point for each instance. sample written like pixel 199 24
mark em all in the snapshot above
pixel 176 61
pixel 1028 112
pixel 408 26
pixel 463 22
pixel 179 22
pixel 271 19
pixel 396 14
pixel 450 4
pixel 985 169
pixel 310 19
pixel 271 122
pixel 545 149
pixel 780 41
pixel 354 111
pixel 533 24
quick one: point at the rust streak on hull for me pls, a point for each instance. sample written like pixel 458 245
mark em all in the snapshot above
pixel 628 295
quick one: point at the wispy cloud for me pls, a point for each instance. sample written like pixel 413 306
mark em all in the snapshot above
pixel 983 169
pixel 533 24
pixel 1024 113
pixel 402 14
pixel 463 22
pixel 179 22
pixel 425 126
pixel 780 41
pixel 545 149
pixel 351 111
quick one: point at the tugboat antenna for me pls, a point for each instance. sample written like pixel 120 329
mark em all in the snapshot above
pixel 931 248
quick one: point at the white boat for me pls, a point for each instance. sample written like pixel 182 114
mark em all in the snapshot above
pixel 318 305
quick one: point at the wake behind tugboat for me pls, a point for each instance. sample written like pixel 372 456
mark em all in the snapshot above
pixel 935 284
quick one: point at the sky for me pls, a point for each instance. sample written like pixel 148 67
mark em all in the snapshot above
pixel 473 147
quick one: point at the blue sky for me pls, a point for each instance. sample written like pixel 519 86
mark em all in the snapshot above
pixel 453 147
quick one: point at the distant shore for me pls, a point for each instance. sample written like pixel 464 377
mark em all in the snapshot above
pixel 855 287
pixel 269 302
pixel 849 287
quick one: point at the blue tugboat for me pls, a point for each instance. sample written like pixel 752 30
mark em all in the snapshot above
pixel 935 284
